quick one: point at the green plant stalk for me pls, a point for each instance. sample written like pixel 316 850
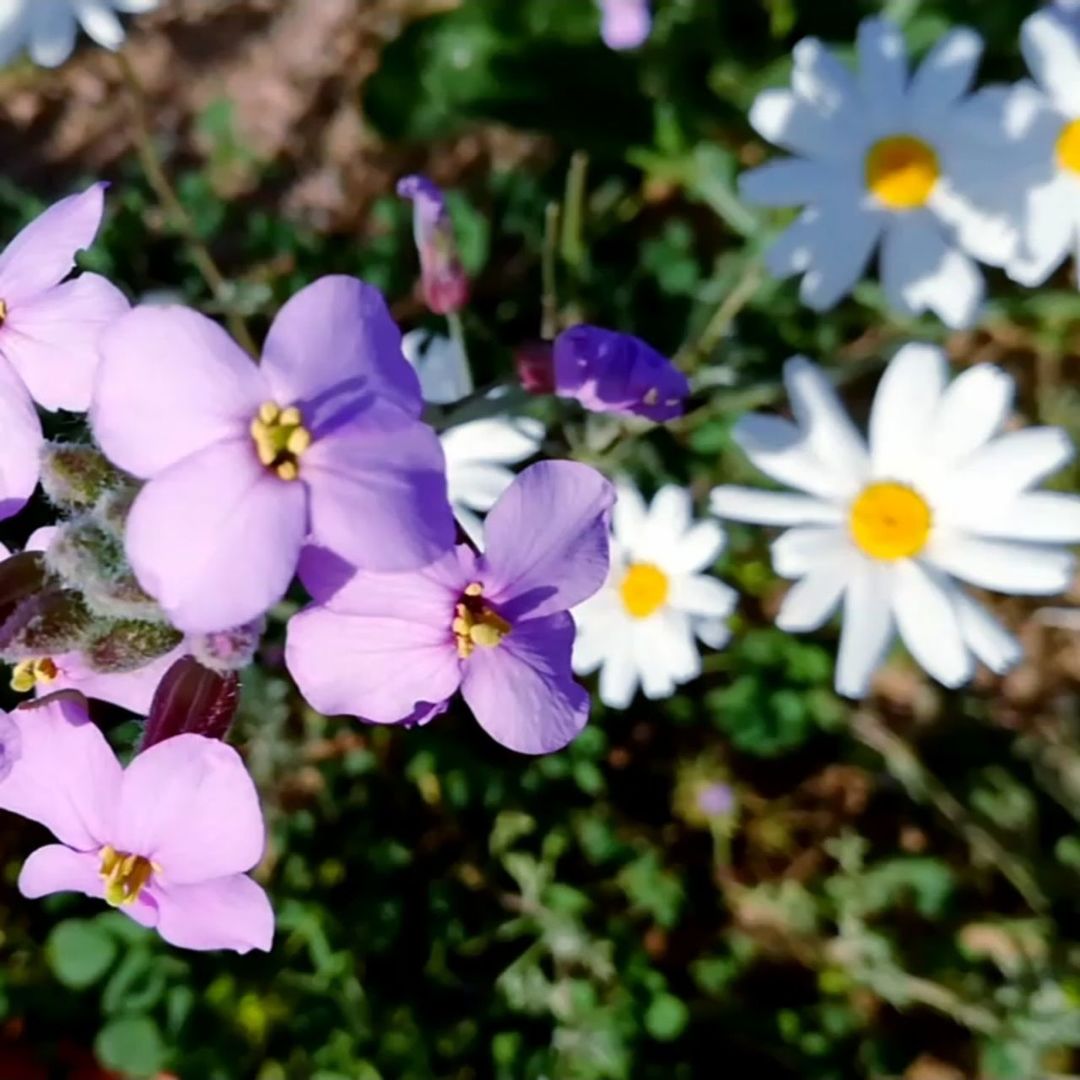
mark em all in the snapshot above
pixel 549 303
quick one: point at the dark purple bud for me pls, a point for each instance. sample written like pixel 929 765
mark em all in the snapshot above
pixel 20 577
pixel 192 700
pixel 445 284
pixel 45 624
pixel 535 363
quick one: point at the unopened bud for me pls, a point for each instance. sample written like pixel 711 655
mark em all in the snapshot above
pixel 191 700
pixel 445 284
pixel 45 624
pixel 75 476
pixel 20 577
pixel 112 509
pixel 535 363
pixel 228 650
pixel 127 645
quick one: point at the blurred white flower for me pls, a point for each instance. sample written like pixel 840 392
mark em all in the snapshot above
pixel 939 495
pixel 441 365
pixel 641 627
pixel 47 28
pixel 885 157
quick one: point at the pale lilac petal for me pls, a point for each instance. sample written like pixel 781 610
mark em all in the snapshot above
pixel 171 382
pixel 20 463
pixel 188 804
pixel 522 692
pixel 548 539
pixel 43 253
pixel 228 913
pixel 132 690
pixel 332 348
pixel 215 539
pixel 56 868
pixel 62 773
pixel 52 339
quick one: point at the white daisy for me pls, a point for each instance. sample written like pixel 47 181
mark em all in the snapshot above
pixel 441 365
pixel 640 627
pixel 939 495
pixel 47 28
pixel 883 157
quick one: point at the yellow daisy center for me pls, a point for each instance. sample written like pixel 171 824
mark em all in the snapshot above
pixel 890 521
pixel 280 438
pixel 644 590
pixel 27 674
pixel 476 624
pixel 901 171
pixel 125 876
pixel 1068 147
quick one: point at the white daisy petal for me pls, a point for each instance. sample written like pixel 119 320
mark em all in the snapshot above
pixel 771 507
pixel 793 250
pixel 702 595
pixel 665 654
pixel 801 550
pixel 819 77
pixel 715 633
pixel 135 7
pixel 840 261
pixel 618 676
pixel 1052 54
pixel 882 66
pixel 927 621
pixel 1042 517
pixel 905 406
pixel 947 71
pixel 597 626
pixel 697 549
pixel 14 28
pixel 493 440
pixel 629 518
pixel 477 486
pixel 973 409
pixel 1021 569
pixel 811 601
pixel 1050 227
pixel 52 32
pixel 669 516
pixel 99 21
pixel 867 631
pixel 786 182
pixel 441 366
pixel 791 122
pixel 985 636
pixel 471 524
pixel 1013 462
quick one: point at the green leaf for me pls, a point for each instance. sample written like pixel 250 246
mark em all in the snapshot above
pixel 132 1045
pixel 80 952
pixel 666 1017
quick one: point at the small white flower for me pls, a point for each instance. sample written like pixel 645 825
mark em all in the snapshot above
pixel 884 157
pixel 47 28
pixel 441 365
pixel 640 627
pixel 940 495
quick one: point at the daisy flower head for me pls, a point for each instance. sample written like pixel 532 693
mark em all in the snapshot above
pixel 47 28
pixel 888 529
pixel 882 160
pixel 640 629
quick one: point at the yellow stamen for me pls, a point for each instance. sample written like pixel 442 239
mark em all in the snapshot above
pixel 901 171
pixel 644 590
pixel 1068 147
pixel 27 674
pixel 280 438
pixel 476 624
pixel 890 521
pixel 125 876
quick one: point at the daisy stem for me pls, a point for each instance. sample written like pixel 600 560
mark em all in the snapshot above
pixel 159 181
pixel 549 304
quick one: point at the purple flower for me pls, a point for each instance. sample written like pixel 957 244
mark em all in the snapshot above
pixel 446 288
pixel 22 442
pixel 167 841
pixel 715 799
pixel 49 327
pixel 611 372
pixel 395 648
pixel 626 24
pixel 245 463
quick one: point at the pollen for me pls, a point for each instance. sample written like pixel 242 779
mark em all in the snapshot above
pixel 902 171
pixel 644 590
pixel 890 521
pixel 1068 147
pixel 475 624
pixel 125 876
pixel 280 438
pixel 27 674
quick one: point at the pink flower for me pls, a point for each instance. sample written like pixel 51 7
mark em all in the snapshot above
pixel 22 442
pixel 394 648
pixel 626 23
pixel 167 841
pixel 244 463
pixel 446 288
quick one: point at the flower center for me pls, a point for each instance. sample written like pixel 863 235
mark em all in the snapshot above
pixel 125 876
pixel 280 438
pixel 902 171
pixel 890 521
pixel 27 674
pixel 476 624
pixel 1068 147
pixel 644 590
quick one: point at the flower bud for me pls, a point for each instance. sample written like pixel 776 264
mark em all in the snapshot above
pixel 75 476
pixel 21 576
pixel 446 288
pixel 192 700
pixel 127 645
pixel 228 650
pixel 45 624
pixel 535 363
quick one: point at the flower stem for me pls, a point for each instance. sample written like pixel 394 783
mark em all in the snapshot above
pixel 549 321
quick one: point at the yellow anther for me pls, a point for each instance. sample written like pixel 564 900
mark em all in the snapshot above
pixel 287 470
pixel 475 589
pixel 298 441
pixel 280 438
pixel 290 417
pixel 476 624
pixel 27 674
pixel 125 876
pixel 269 411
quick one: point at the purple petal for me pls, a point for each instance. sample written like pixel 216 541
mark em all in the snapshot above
pixel 20 464
pixel 626 23
pixel 333 349
pixel 522 692
pixel 215 539
pixel 133 690
pixel 63 773
pixel 547 539
pixel 56 868
pixel 189 805
pixel 52 339
pixel 378 495
pixel 227 913
pixel 170 382
pixel 43 253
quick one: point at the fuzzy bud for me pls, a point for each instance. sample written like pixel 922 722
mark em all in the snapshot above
pixel 21 576
pixel 75 476
pixel 228 650
pixel 191 700
pixel 111 510
pixel 45 624
pixel 128 644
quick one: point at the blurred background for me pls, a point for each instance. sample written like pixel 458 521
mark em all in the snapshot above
pixel 752 878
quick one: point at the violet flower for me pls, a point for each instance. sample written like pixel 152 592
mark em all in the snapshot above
pixel 625 24
pixel 244 463
pixel 446 288
pixel 23 441
pixel 618 373
pixel 168 840
pixel 395 648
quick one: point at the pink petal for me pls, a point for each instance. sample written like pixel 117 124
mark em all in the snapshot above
pixel 385 670
pixel 227 913
pixel 378 497
pixel 547 539
pixel 170 382
pixel 43 253
pixel 56 868
pixel 62 774
pixel 51 340
pixel 215 538
pixel 20 463
pixel 332 347
pixel 522 692
pixel 188 804
pixel 132 690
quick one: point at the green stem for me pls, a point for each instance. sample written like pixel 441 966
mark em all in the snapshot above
pixel 549 304
pixel 573 243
